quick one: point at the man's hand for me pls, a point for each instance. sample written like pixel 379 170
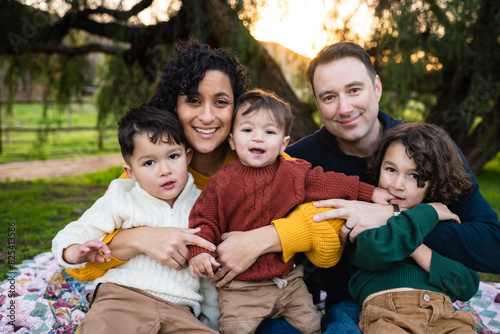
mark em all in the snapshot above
pixel 359 216
pixel 91 251
pixel 167 245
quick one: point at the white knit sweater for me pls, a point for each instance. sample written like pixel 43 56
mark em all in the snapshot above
pixel 126 205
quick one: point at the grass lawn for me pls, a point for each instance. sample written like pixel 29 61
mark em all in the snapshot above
pixel 36 211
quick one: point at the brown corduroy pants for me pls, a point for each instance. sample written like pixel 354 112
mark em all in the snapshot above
pixel 119 309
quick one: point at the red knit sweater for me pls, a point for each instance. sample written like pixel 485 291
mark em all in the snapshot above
pixel 241 198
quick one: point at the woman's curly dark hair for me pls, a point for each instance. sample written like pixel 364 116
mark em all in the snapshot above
pixel 188 66
pixel 436 156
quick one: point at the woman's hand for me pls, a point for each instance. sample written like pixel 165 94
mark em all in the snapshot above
pixel 167 245
pixel 359 216
pixel 239 250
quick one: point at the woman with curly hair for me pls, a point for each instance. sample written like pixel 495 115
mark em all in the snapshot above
pixel 403 285
pixel 200 85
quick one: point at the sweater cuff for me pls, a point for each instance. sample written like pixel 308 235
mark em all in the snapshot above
pixel 195 250
pixel 424 218
pixel 319 240
pixel 326 249
pixel 365 192
pixel 108 237
pixel 438 270
pixel 294 232
pixel 93 270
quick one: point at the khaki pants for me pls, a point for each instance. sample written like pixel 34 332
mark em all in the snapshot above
pixel 416 311
pixel 243 305
pixel 118 309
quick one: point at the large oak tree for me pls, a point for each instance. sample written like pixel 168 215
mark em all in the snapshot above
pixel 50 45
pixel 444 57
pixel 437 58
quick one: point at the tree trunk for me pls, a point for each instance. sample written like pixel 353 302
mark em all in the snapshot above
pixel 1 134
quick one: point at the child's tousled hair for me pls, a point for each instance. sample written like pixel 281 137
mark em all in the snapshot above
pixel 436 156
pixel 156 122
pixel 269 101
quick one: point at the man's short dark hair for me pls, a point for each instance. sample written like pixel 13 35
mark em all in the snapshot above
pixel 339 51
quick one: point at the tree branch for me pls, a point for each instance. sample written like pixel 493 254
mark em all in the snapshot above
pixel 118 14
pixel 78 50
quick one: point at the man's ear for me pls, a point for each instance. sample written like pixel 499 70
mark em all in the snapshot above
pixel 128 170
pixel 231 141
pixel 189 155
pixel 284 144
pixel 378 87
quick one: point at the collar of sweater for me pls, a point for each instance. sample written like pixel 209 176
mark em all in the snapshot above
pixel 239 168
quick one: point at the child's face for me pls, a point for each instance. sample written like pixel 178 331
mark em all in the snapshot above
pixel 160 169
pixel 398 174
pixel 256 138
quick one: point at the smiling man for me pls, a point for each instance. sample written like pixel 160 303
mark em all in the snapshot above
pixel 347 91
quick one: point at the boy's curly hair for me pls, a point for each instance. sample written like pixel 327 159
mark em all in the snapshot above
pixel 436 156
pixel 188 66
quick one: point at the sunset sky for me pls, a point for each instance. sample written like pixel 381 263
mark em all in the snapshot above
pixel 301 27
pixel 296 24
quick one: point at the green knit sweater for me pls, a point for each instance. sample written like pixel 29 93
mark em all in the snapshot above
pixel 380 260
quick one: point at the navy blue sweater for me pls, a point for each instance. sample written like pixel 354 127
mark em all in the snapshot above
pixel 475 242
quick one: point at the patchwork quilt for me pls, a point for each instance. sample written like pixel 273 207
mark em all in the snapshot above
pixel 40 297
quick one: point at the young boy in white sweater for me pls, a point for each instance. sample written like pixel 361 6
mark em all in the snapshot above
pixel 142 295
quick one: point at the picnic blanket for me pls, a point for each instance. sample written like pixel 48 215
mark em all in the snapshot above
pixel 40 297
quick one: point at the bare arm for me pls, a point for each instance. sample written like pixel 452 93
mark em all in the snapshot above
pixel 423 256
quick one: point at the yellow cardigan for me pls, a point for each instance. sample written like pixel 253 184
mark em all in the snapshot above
pixel 297 232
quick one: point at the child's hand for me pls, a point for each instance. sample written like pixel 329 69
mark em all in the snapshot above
pixel 91 251
pixel 201 264
pixel 444 213
pixel 381 196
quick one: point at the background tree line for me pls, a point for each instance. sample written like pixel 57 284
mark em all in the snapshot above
pixel 436 57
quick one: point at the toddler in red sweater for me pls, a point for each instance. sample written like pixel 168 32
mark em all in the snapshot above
pixel 262 186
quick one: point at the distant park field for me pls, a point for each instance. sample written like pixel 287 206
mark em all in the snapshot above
pixel 28 135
